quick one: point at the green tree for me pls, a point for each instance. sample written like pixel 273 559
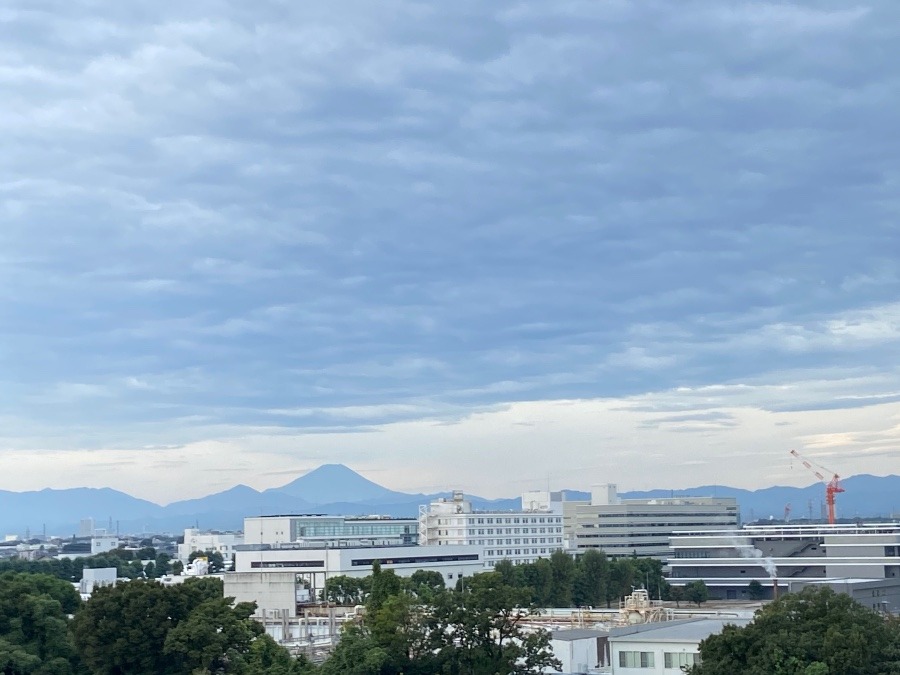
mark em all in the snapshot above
pixel 146 553
pixel 345 590
pixel 697 592
pixel 591 575
pixel 622 578
pixel 214 637
pixel 510 574
pixel 479 631
pixel 177 568
pixel 426 585
pixel 382 585
pixel 676 594
pixel 355 654
pixel 267 657
pixel 33 624
pixel 538 576
pixel 123 629
pixel 562 569
pixel 755 590
pixel 813 632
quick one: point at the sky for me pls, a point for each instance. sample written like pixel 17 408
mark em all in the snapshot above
pixel 492 246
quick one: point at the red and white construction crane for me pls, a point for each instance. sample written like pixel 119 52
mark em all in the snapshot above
pixel 832 486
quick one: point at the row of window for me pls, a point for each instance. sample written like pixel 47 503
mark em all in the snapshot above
pixel 514 551
pixel 500 521
pixel 652 520
pixel 515 542
pixel 502 530
pixel 646 659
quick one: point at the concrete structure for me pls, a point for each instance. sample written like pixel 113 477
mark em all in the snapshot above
pixel 642 527
pixel 580 650
pixel 222 542
pixel 101 543
pixel 311 566
pixel 271 591
pixel 518 536
pixel 334 530
pixel 86 527
pixel 662 648
pixel 727 561
pixel 95 578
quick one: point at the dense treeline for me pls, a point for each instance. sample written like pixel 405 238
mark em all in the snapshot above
pixel 135 627
pixel 420 628
pixel 145 562
pixel 591 580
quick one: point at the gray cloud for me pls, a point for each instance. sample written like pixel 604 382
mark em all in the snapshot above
pixel 214 216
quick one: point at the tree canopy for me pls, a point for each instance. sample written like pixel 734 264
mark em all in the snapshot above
pixel 814 632
pixel 473 629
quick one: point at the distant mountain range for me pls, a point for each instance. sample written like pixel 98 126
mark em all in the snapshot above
pixel 336 489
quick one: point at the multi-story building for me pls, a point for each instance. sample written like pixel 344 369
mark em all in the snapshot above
pixel 522 536
pixel 222 542
pixel 777 555
pixel 309 566
pixel 334 530
pixel 642 527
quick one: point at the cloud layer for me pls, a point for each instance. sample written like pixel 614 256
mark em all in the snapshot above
pixel 276 230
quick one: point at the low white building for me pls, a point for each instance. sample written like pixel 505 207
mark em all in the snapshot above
pixel 309 567
pixel 103 543
pixel 197 541
pixel 93 578
pixel 580 650
pixel 662 648
pixel 519 536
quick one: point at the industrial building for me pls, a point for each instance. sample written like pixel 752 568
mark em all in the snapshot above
pixel 522 536
pixel 335 530
pixel 642 527
pixel 776 556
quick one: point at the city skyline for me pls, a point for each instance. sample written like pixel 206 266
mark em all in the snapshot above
pixel 485 247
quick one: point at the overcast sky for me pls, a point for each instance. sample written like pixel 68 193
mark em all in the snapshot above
pixel 467 244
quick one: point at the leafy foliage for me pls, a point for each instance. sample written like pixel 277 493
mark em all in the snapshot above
pixel 814 632
pixel 697 592
pixel 33 635
pixel 473 629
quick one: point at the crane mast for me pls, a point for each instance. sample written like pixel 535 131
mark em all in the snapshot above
pixel 832 485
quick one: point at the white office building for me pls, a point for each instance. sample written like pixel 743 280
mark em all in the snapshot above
pixel 642 527
pixel 334 530
pixel 221 542
pixel 300 571
pixel 95 578
pixel 519 536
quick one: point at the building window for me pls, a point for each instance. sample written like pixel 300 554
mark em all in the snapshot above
pixel 681 659
pixel 636 660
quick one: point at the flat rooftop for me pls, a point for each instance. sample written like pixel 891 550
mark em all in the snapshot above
pixel 686 630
